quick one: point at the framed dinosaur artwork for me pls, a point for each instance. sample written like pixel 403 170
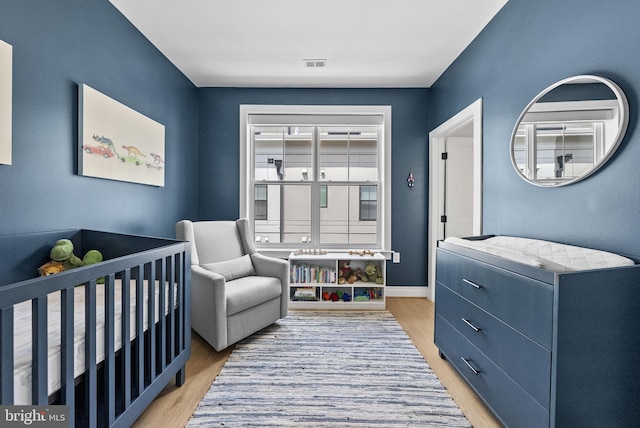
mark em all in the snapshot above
pixel 116 142
pixel 6 71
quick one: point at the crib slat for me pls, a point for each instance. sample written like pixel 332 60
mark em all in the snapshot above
pixel 67 351
pixel 140 328
pixel 180 298
pixel 162 324
pixel 109 349
pixel 6 355
pixel 180 376
pixel 90 373
pixel 126 337
pixel 171 277
pixel 186 312
pixel 151 321
pixel 39 351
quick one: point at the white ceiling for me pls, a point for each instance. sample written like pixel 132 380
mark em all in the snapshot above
pixel 262 43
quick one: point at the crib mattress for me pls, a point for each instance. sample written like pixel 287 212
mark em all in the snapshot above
pixel 545 254
pixel 23 344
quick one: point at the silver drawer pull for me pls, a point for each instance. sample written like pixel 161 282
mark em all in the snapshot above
pixel 475 372
pixel 471 283
pixel 470 324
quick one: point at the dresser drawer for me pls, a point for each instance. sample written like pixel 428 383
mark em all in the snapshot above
pixel 508 400
pixel 525 361
pixel 523 303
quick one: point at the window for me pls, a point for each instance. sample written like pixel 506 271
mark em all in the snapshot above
pixel 323 197
pixel 260 205
pixel 368 203
pixel 318 175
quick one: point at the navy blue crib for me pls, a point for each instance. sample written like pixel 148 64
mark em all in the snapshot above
pixel 113 389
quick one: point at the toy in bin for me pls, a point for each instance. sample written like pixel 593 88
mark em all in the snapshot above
pixel 345 274
pixel 366 294
pixel 373 273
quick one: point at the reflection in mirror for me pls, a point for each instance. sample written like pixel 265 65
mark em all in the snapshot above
pixel 569 130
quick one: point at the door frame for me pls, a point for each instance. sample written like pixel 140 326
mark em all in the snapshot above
pixel 437 141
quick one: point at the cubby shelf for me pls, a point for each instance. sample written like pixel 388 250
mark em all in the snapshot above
pixel 315 281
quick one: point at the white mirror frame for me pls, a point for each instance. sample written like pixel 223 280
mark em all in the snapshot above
pixel 623 107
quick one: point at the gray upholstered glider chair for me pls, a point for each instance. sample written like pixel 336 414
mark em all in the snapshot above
pixel 235 291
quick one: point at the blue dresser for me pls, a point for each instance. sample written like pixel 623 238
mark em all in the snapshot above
pixel 541 349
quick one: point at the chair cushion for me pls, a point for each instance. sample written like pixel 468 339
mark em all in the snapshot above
pixel 250 291
pixel 232 269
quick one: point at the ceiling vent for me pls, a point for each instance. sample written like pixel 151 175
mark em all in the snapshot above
pixel 315 63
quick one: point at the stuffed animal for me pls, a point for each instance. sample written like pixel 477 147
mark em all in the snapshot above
pixel 50 268
pixel 92 257
pixel 373 272
pixel 353 277
pixel 345 272
pixel 63 252
pixel 63 258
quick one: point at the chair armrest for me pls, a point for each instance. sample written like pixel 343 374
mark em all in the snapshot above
pixel 209 306
pixel 270 266
pixel 278 268
pixel 207 275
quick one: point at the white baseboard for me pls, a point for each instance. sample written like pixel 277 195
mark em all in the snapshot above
pixel 407 291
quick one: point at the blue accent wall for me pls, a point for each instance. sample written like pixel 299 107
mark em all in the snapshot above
pixel 528 46
pixel 219 151
pixel 56 46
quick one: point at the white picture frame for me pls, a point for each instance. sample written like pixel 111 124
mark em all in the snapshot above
pixel 116 142
pixel 6 85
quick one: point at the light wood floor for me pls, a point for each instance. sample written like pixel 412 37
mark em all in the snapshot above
pixel 174 406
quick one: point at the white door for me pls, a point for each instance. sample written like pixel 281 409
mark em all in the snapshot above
pixel 458 194
pixel 457 190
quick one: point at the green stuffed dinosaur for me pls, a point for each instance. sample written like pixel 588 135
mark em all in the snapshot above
pixel 62 252
pixel 373 273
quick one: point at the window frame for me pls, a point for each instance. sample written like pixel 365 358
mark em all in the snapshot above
pixel 252 115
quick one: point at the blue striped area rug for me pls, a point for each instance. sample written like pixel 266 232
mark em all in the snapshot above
pixel 328 369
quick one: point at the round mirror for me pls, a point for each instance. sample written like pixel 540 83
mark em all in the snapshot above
pixel 569 130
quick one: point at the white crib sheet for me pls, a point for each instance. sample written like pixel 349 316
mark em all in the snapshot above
pixel 547 255
pixel 22 334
